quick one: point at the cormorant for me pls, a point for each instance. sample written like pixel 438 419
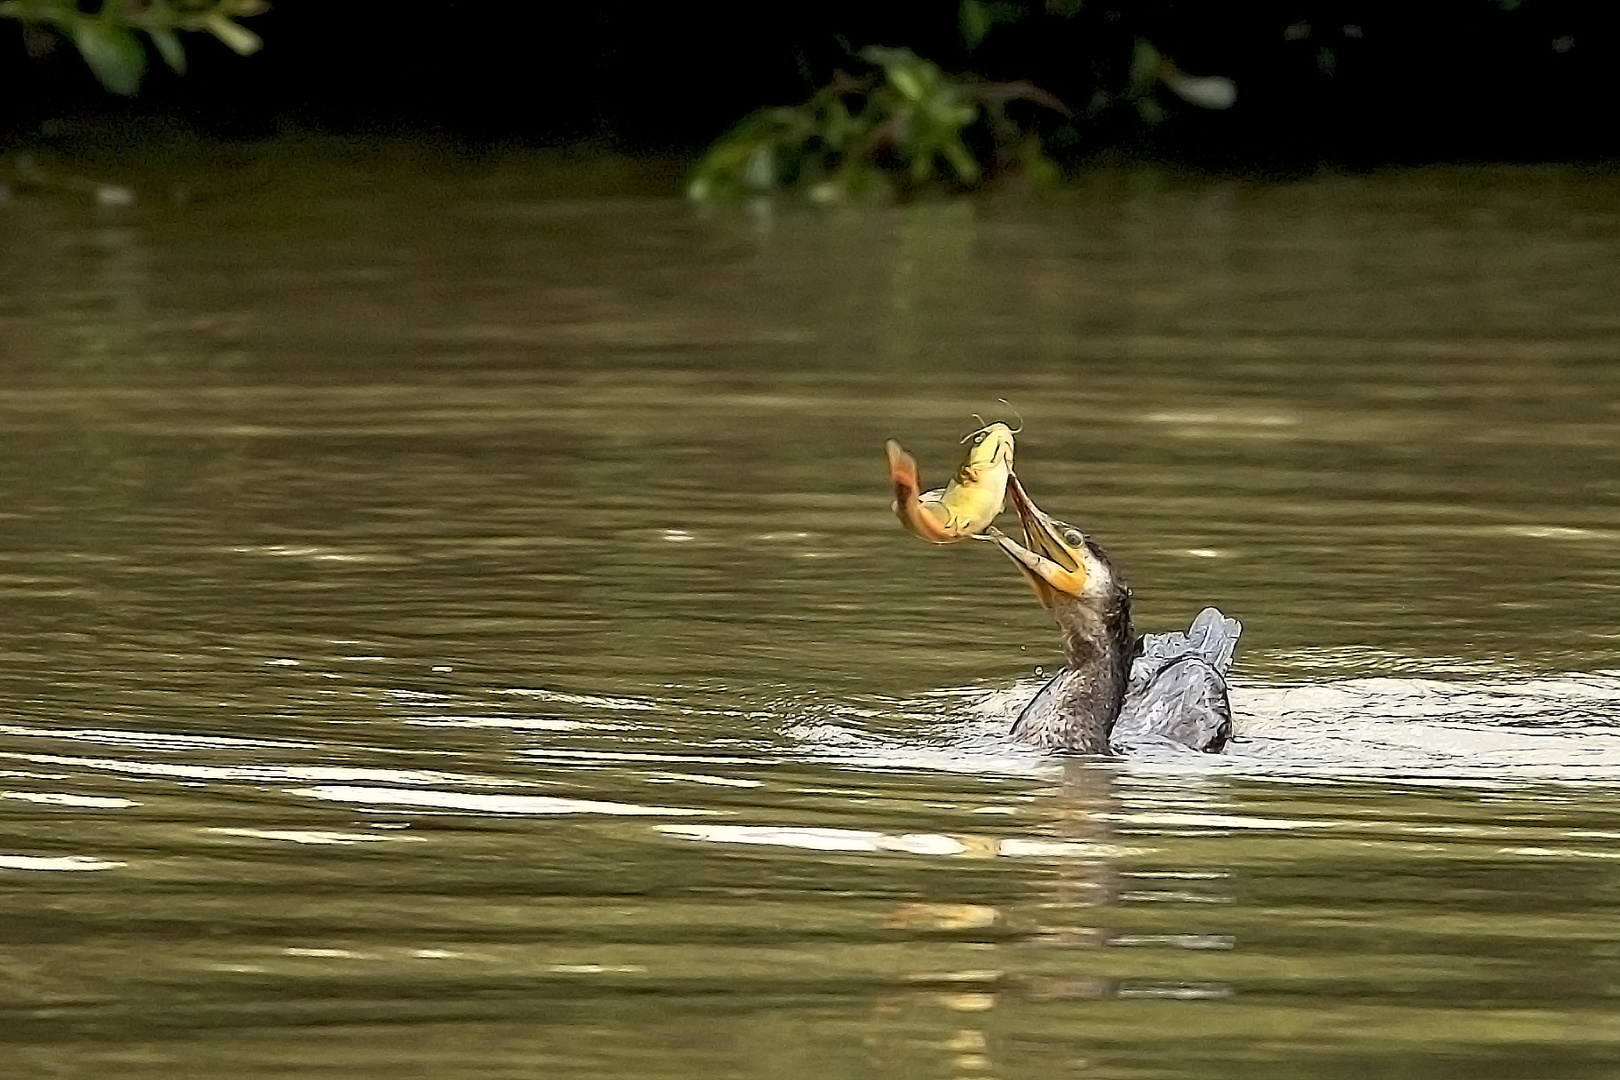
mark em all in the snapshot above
pixel 1119 692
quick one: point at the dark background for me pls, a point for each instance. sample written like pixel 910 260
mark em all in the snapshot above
pixel 1349 83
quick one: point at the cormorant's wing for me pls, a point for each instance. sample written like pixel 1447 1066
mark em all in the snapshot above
pixel 1183 706
pixel 1212 638
pixel 1177 692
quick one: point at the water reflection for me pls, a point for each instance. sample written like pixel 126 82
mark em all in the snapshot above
pixel 1039 944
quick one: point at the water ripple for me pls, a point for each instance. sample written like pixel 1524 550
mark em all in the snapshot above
pixel 490 804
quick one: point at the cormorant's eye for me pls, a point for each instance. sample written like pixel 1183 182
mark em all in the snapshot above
pixel 1074 538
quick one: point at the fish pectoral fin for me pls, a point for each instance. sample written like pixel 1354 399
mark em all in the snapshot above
pixel 928 517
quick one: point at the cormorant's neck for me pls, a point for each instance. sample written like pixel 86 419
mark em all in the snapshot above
pixel 1086 699
pixel 1097 644
pixel 1093 634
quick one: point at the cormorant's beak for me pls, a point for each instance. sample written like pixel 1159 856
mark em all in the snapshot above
pixel 1049 558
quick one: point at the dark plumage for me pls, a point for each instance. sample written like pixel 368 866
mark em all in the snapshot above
pixel 1118 693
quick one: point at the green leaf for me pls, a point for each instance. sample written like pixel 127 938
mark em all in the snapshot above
pixel 1145 63
pixel 113 53
pixel 974 18
pixel 168 47
pixel 962 161
pixel 760 172
pixel 239 39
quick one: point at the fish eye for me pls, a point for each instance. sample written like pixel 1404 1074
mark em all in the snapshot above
pixel 979 438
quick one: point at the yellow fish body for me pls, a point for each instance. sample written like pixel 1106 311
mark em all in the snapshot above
pixel 969 503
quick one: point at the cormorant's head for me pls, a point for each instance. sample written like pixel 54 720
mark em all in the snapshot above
pixel 1059 561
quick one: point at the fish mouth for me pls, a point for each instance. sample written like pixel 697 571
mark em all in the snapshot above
pixel 1001 448
pixel 1050 556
